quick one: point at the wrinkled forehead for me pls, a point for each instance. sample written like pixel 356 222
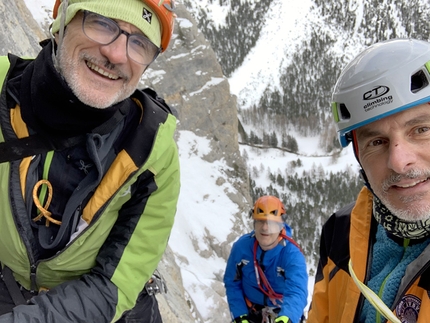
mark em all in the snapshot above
pixel 403 119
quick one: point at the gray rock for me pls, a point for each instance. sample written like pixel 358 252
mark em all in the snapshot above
pixel 190 79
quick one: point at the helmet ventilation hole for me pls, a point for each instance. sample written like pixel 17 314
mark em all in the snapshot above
pixel 419 81
pixel 344 113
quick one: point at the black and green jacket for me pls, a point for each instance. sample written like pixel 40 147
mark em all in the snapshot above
pixel 124 222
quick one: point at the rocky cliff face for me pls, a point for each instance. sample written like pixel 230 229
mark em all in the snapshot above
pixel 19 33
pixel 190 79
pixel 193 83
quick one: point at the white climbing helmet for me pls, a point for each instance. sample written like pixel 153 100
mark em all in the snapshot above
pixel 386 78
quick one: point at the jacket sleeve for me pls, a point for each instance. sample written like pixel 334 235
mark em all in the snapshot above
pixel 295 295
pixel 125 262
pixel 233 283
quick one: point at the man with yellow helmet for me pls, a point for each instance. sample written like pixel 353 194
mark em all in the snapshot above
pixel 266 271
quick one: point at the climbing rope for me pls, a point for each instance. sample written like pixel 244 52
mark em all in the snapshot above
pixel 373 299
pixel 44 209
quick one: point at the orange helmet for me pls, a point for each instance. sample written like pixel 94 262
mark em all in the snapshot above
pixel 269 208
pixel 164 9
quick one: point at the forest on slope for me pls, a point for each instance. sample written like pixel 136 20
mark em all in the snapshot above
pixel 300 106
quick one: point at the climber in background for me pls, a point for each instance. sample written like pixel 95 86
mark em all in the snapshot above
pixel 266 273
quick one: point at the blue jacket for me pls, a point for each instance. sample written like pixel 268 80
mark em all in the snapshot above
pixel 284 267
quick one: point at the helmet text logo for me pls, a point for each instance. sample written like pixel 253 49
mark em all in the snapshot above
pixel 376 92
pixel 378 102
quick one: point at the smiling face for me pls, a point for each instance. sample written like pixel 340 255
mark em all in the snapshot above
pixel 99 75
pixel 395 155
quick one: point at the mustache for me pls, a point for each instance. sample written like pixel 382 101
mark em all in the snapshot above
pixel 394 177
pixel 106 64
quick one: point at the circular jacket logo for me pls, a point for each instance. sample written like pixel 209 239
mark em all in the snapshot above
pixel 376 92
pixel 408 309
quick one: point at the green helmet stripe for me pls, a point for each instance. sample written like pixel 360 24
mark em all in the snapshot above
pixel 335 111
pixel 427 65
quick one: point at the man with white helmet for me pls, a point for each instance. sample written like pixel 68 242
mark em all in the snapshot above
pixel 374 256
pixel 89 169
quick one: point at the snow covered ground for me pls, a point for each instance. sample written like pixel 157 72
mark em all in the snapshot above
pixel 201 196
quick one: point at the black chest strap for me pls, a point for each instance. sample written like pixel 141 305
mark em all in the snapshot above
pixel 15 149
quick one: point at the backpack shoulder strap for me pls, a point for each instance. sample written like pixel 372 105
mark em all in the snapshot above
pixel 159 101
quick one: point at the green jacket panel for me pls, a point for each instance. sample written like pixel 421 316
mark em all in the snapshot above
pixel 17 250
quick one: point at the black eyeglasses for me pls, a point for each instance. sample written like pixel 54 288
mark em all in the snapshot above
pixel 105 31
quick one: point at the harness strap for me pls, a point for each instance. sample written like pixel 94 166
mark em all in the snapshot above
pixel 12 286
pixel 265 312
pixel 15 149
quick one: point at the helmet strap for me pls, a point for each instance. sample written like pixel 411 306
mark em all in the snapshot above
pixel 60 35
pixel 363 175
pixel 355 144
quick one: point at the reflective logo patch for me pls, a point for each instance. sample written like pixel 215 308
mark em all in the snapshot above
pixel 147 15
pixel 408 309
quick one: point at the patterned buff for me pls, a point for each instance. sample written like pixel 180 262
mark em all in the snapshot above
pixel 398 227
